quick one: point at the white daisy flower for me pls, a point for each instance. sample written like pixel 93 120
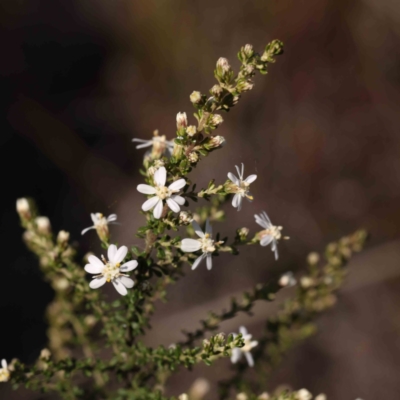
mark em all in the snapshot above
pixel 161 193
pixel 4 371
pixel 270 234
pixel 160 144
pixel 100 223
pixel 111 270
pixel 237 352
pixel 205 244
pixel 241 187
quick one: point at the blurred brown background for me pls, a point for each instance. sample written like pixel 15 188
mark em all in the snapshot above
pixel 81 78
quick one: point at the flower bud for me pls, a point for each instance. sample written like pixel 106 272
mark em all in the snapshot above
pixel 306 282
pixel 216 120
pixel 193 157
pixel 199 389
pixel 43 225
pixel 242 396
pixel 249 69
pixel 183 396
pixel 223 65
pixel 248 50
pixel 23 208
pixel 156 165
pixel 195 97
pixel 321 397
pixel 287 280
pixel 191 130
pixel 263 396
pixel 216 90
pixel 214 142
pixel 181 120
pixel 313 258
pixel 45 354
pixel 60 284
pixel 303 394
pixel 244 86
pixel 90 320
pixel 185 217
pixel 62 237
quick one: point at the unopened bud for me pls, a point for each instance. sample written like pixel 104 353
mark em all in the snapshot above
pixel 241 396
pixel 23 208
pixel 220 337
pixel 191 130
pixel 90 320
pixel 303 394
pixel 45 354
pixel 181 120
pixel 185 217
pixel 62 237
pixel 195 97
pixel 193 157
pixel 313 258
pixel 306 282
pixel 321 397
pixel 263 396
pixel 244 86
pixel 61 284
pixel 216 120
pixel 287 280
pixel 43 225
pixel 214 142
pixel 157 164
pixel 183 396
pixel 248 50
pixel 199 389
pixel 223 64
pixel 249 69
pixel 216 90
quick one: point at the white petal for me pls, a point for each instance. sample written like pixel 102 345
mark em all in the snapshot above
pixel 249 197
pixel 275 250
pixel 177 185
pixel 254 343
pixel 142 146
pixel 243 330
pixel 97 282
pixel 233 178
pixel 95 261
pixel 87 229
pixel 145 189
pixel 150 203
pixel 236 355
pixel 209 261
pixel 240 201
pixel 208 227
pixel 190 245
pixel 250 179
pixel 238 172
pixel 4 364
pixel 158 209
pixel 266 240
pixel 112 250
pixel 119 287
pixel 197 229
pixel 235 200
pixel 120 254
pixel 265 216
pixel 127 282
pixel 128 266
pixel 249 358
pixel 179 199
pixel 260 221
pixel 93 269
pixel 173 205
pixel 198 261
pixel 112 218
pixel 94 218
pixel 160 176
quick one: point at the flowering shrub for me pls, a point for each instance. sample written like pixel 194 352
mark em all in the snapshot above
pixel 83 320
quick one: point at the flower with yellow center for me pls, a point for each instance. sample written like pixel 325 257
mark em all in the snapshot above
pixel 237 352
pixel 162 193
pixel 270 234
pixel 206 244
pixel 112 270
pixel 241 187
pixel 4 371
pixel 100 223
pixel 159 143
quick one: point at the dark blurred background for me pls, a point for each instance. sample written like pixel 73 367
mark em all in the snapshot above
pixel 81 78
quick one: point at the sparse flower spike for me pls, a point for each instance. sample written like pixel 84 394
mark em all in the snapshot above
pixel 241 187
pixel 162 193
pixel 4 371
pixel 271 233
pixel 112 270
pixel 100 223
pixel 237 352
pixel 206 244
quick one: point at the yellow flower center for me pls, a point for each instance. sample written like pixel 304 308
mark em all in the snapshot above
pixel 111 271
pixel 207 244
pixel 274 231
pixel 162 192
pixel 4 375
